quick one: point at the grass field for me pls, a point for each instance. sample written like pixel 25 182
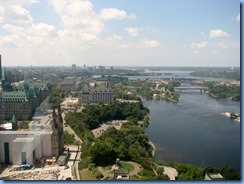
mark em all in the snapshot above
pixel 127 166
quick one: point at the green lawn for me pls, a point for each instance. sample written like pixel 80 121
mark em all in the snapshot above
pixel 126 166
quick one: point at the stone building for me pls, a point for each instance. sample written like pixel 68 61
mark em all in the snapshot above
pixel 95 94
pixel 71 83
pixel 23 100
pixel 57 136
pixel 19 147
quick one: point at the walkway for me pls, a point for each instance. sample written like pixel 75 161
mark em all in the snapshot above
pixel 77 160
pixel 70 130
pixel 109 173
pixel 171 172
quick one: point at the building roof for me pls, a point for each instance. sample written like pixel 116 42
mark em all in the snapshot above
pixel 15 95
pixel 7 126
pixel 26 90
pixel 23 140
pixel 23 132
pixel 214 176
pixel 97 89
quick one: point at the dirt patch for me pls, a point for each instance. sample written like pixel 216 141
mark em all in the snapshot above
pixel 86 174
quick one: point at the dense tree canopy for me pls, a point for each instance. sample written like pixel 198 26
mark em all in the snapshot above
pixel 218 74
pixel 94 115
pixel 224 91
pixel 227 172
pixel 129 143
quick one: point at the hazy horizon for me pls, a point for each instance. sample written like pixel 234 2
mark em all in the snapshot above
pixel 120 66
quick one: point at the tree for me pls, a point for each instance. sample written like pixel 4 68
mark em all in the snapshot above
pixel 229 173
pixel 23 125
pixel 101 152
pixel 69 138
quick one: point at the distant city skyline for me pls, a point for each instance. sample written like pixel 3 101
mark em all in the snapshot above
pixel 194 33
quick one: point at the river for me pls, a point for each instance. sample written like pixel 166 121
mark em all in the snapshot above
pixel 194 130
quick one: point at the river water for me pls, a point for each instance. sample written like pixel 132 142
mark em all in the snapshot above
pixel 194 130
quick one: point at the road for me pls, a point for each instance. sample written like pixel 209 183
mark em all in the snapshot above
pixel 71 131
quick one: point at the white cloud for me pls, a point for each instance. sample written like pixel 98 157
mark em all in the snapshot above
pixel 238 17
pixel 226 45
pixel 218 33
pixel 114 13
pixel 77 15
pixel 223 45
pixel 199 45
pixel 114 38
pixel 14 11
pixel 150 43
pixel 132 31
pixel 32 37
pixel 81 22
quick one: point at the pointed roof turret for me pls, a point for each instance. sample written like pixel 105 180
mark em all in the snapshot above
pixel 4 74
pixel 54 113
pixel 14 123
pixel 59 109
pixel 13 119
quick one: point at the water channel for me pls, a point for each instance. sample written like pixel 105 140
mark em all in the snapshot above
pixel 194 130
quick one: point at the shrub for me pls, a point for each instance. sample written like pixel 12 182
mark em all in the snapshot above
pixel 84 163
pixel 91 166
pixel 97 173
pixel 147 173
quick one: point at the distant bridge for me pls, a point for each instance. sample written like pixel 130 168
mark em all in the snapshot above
pixel 180 88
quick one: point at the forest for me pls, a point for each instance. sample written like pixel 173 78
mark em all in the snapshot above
pixel 235 75
pixel 129 143
pixel 223 91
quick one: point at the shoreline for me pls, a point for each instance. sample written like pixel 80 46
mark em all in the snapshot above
pixel 153 146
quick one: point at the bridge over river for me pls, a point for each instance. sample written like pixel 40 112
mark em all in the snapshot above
pixel 180 88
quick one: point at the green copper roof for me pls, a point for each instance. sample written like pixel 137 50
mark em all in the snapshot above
pixel 15 95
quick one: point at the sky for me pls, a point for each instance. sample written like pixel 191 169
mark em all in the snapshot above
pixel 120 32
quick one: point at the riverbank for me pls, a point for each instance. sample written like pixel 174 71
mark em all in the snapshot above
pixel 153 146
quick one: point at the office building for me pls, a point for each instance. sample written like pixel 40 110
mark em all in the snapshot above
pixel 32 147
pixel 92 93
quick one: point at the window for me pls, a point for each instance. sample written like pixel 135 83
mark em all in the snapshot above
pixel 23 157
pixel 6 152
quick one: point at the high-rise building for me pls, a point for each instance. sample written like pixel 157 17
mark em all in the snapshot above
pixel 1 100
pixel 73 66
pixel 0 67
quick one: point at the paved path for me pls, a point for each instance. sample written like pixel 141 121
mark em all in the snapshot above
pixel 137 168
pixel 70 130
pixel 108 173
pixel 171 172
